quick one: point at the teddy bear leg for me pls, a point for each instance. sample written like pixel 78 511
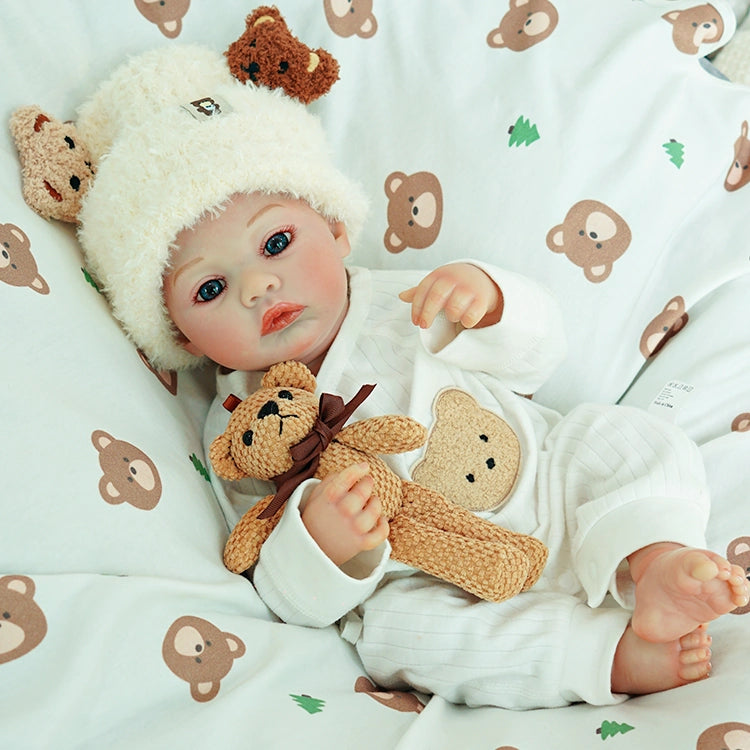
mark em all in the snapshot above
pixel 489 569
pixel 433 508
pixel 243 546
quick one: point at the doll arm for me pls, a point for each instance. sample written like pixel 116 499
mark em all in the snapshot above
pixel 463 292
pixel 297 580
pixel 344 516
pixel 522 349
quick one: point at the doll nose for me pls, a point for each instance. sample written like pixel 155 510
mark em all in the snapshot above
pixel 256 285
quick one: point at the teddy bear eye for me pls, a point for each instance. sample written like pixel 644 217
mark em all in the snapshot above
pixel 287 395
pixel 247 437
pixel 483 438
pixel 70 142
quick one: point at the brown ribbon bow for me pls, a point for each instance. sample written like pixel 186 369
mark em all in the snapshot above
pixel 332 415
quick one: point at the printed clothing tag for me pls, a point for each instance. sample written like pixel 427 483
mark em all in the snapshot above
pixel 670 398
pixel 207 107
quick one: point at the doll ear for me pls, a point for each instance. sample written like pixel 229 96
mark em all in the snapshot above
pixel 221 459
pixel 289 374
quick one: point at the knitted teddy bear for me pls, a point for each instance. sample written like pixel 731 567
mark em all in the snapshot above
pixel 57 167
pixel 282 433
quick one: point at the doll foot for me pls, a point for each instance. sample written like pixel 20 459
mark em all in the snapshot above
pixel 641 667
pixel 679 588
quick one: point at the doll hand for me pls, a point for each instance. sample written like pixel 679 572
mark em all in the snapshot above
pixel 343 516
pixel 465 292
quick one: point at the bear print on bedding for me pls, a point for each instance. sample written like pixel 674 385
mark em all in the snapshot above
pixel 527 23
pixel 693 27
pixel 17 264
pixel 593 236
pixel 22 622
pixel 129 475
pixel 201 654
pixel 415 210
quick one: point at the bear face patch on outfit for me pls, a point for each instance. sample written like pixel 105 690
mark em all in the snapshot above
pixel 472 455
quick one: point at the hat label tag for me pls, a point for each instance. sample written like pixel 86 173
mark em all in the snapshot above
pixel 207 107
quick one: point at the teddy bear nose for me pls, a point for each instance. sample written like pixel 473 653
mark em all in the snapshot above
pixel 269 408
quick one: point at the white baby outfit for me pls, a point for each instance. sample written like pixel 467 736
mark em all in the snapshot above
pixel 594 486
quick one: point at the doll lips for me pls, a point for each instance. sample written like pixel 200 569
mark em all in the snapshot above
pixel 280 316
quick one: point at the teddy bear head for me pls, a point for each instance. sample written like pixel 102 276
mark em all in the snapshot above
pixel 268 54
pixel 267 424
pixel 57 166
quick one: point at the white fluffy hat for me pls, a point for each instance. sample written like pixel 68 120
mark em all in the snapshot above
pixel 175 135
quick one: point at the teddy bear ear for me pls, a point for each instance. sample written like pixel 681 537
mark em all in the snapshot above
pixel 220 455
pixel 289 374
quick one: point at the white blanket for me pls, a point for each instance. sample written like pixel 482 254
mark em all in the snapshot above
pixel 602 119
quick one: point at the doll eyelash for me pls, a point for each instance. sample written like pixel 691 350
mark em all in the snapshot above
pixel 199 299
pixel 288 230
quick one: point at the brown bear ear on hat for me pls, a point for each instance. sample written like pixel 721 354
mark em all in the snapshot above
pixel 268 54
pixel 57 166
pixel 289 374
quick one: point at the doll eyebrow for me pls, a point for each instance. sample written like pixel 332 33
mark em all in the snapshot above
pixel 260 212
pixel 187 265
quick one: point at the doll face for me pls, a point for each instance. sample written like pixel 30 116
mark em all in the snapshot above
pixel 262 282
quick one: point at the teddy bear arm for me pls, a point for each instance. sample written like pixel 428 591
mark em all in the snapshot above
pixel 242 549
pixel 385 435
pixel 491 570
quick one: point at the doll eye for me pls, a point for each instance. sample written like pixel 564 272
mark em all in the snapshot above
pixel 247 437
pixel 210 290
pixel 277 243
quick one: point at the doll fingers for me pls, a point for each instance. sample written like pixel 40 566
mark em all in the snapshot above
pixel 408 294
pixel 431 299
pixel 358 498
pixel 336 486
pixel 377 535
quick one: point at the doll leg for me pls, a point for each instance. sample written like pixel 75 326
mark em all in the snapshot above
pixel 615 480
pixel 536 650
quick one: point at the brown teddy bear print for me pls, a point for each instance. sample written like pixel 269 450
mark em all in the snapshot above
pixel 22 622
pixel 472 454
pixel 56 165
pixel 739 175
pixel 527 23
pixel 731 735
pixel 350 17
pixel 269 55
pixel 738 553
pixel 166 14
pixel 395 699
pixel 671 320
pixel 201 654
pixel 415 210
pixel 129 475
pixel 692 27
pixel 17 264
pixel 741 423
pixel 593 236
